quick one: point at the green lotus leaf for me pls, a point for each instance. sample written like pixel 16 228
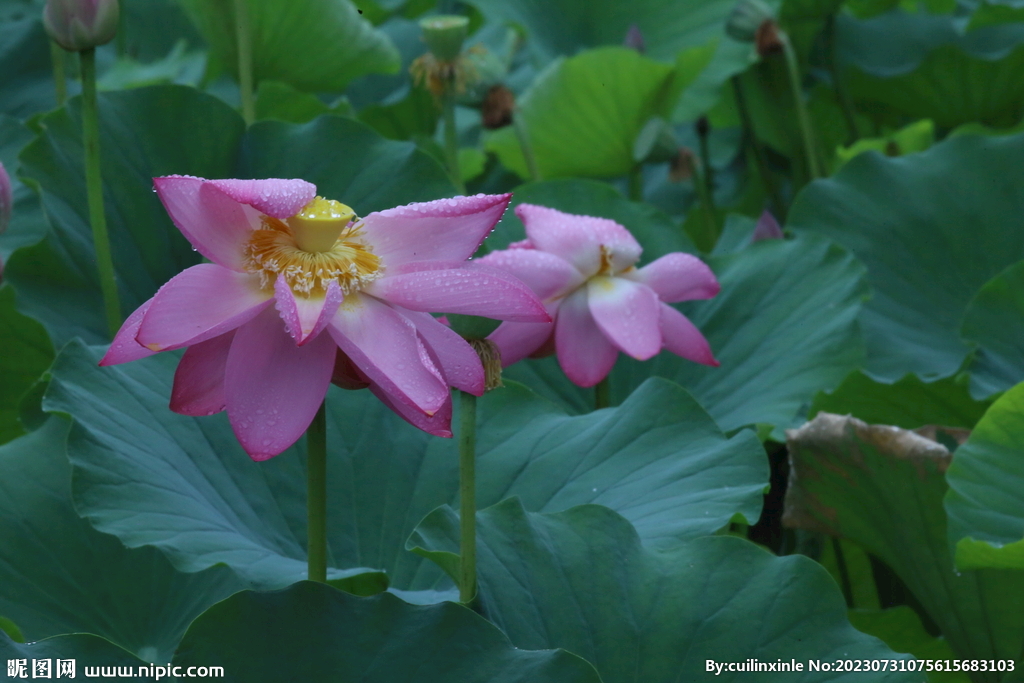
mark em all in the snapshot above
pixel 994 322
pixel 317 45
pixel 59 575
pixel 985 501
pixel 905 220
pixel 311 632
pixel 581 580
pixel 183 484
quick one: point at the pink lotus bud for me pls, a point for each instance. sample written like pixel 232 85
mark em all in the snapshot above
pixel 81 24
pixel 6 199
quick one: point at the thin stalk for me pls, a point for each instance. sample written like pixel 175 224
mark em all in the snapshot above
pixel 804 121
pixel 243 38
pixel 602 394
pixel 524 143
pixel 755 147
pixel 708 173
pixel 845 101
pixel 60 84
pixel 844 573
pixel 316 496
pixel 709 237
pixel 94 191
pixel 467 497
pixel 636 183
pixel 451 141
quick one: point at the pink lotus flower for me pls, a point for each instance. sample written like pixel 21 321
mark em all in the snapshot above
pixel 583 269
pixel 300 289
pixel 81 24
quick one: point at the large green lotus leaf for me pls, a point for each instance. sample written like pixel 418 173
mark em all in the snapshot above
pixel 59 575
pixel 166 130
pixel 657 233
pixel 153 477
pixel 994 322
pixel 882 487
pixel 582 114
pixel 783 327
pixel 922 65
pixel 311 632
pixel 985 502
pixel 581 580
pixel 565 27
pixel 316 45
pixel 27 353
pixel 27 86
pixel 901 629
pixel 908 403
pixel 931 228
pixel 101 658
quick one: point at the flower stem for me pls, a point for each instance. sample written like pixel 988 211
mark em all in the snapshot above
pixel 602 394
pixel 793 69
pixel 243 38
pixel 94 191
pixel 467 497
pixel 316 500
pixel 60 85
pixel 756 149
pixel 524 144
pixel 451 140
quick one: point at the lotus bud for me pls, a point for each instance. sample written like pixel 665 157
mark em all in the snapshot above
pixel 767 228
pixel 78 25
pixel 444 35
pixel 6 199
pixel 635 39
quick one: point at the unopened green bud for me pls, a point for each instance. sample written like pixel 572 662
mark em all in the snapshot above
pixel 444 35
pixel 78 25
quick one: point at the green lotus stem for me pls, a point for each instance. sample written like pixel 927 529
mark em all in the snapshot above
pixel 244 41
pixel 755 147
pixel 845 101
pixel 526 146
pixel 94 191
pixel 603 393
pixel 844 573
pixel 636 183
pixel 451 140
pixel 60 84
pixel 467 497
pixel 804 121
pixel 316 496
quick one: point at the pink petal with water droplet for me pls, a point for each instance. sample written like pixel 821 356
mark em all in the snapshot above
pixel 517 341
pixel 459 362
pixel 441 230
pixel 470 289
pixel 199 380
pixel 200 303
pixel 585 354
pixel 438 424
pixel 549 276
pixel 277 197
pixel 273 387
pixel 386 347
pixel 305 317
pixel 677 277
pixel 578 239
pixel 681 337
pixel 124 348
pixel 627 312
pixel 215 224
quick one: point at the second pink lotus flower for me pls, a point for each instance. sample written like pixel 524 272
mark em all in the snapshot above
pixel 299 286
pixel 583 269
